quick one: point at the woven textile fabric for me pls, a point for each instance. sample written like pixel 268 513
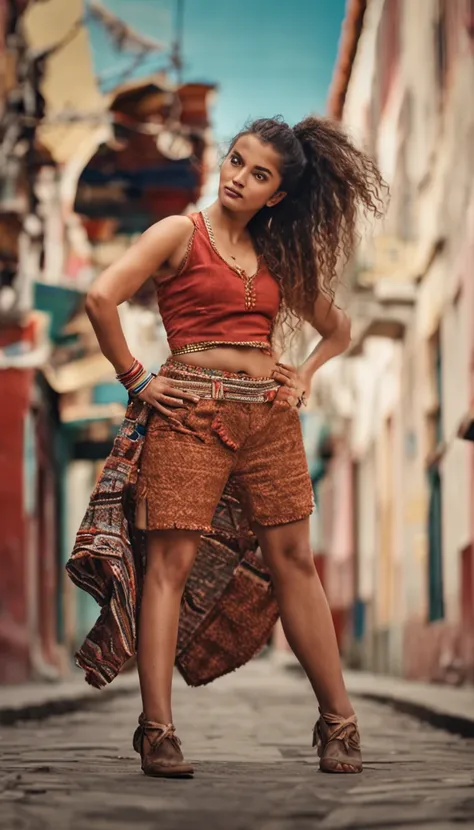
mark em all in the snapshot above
pixel 228 608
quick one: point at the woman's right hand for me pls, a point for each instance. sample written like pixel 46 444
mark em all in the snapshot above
pixel 163 392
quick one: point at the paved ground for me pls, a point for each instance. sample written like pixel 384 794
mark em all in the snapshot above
pixel 249 736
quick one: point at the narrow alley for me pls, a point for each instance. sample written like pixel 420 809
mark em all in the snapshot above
pixel 249 736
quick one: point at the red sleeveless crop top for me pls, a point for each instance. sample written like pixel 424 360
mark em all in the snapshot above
pixel 208 303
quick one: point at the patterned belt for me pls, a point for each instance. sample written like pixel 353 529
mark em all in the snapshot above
pixel 231 389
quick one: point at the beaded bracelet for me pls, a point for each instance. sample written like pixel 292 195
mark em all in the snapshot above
pixel 135 379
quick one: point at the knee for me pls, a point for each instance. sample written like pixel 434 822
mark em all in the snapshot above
pixel 295 556
pixel 169 569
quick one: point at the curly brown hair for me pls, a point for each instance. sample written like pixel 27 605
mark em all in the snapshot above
pixel 328 182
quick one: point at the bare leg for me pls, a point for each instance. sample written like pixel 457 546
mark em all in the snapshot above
pixel 305 614
pixel 170 556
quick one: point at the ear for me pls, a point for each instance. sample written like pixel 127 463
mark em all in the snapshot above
pixel 276 198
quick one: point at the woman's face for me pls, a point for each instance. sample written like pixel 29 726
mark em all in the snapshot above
pixel 250 176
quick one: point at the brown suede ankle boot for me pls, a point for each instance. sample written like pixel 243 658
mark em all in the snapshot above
pixel 338 743
pixel 160 750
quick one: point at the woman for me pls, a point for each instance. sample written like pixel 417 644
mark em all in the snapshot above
pixel 224 408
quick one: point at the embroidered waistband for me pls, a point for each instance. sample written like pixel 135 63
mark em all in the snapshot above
pixel 219 385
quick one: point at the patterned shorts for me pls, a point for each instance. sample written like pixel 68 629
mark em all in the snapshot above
pixel 189 459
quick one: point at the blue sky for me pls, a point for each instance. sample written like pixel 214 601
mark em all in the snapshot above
pixel 268 57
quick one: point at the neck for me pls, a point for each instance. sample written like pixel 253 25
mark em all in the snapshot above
pixel 233 225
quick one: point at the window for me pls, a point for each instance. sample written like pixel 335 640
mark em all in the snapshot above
pixel 446 37
pixel 388 48
pixel 435 549
pixel 435 488
pixel 468 12
pixel 441 48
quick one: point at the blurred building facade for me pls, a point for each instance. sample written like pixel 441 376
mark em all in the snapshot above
pixel 82 174
pixel 398 498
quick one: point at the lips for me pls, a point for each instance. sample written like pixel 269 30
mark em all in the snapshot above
pixel 232 193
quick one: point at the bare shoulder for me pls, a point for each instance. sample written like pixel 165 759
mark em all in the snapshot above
pixel 176 229
pixel 154 250
pixel 173 236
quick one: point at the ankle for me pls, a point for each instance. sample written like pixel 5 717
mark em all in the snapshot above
pixel 162 716
pixel 342 708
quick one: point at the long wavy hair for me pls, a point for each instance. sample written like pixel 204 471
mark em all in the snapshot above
pixel 312 231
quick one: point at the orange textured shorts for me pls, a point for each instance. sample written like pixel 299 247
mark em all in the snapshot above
pixel 188 460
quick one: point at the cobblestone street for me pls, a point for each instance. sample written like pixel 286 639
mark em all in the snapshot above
pixel 249 735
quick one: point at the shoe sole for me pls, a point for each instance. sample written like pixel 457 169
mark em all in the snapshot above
pixel 333 771
pixel 170 774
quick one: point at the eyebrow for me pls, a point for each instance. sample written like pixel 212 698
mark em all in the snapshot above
pixel 256 166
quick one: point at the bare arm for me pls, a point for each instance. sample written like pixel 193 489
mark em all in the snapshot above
pixel 335 329
pixel 122 280
pixel 164 242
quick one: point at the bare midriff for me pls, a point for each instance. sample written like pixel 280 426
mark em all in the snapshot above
pixel 214 317
pixel 250 361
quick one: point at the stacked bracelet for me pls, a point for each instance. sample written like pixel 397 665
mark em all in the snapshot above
pixel 136 379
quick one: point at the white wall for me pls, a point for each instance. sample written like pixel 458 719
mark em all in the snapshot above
pixel 429 139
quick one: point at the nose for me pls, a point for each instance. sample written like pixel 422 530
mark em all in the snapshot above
pixel 239 179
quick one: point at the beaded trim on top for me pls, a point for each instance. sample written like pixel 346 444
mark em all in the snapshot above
pixel 214 344
pixel 248 279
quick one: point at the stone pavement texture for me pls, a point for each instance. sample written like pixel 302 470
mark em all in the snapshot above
pixel 449 707
pixel 249 736
pixel 38 700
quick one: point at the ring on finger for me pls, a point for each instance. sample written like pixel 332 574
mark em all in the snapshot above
pixel 302 401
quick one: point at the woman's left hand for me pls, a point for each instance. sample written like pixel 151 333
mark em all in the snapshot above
pixel 295 385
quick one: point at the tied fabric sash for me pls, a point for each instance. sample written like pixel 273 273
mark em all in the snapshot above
pixel 228 608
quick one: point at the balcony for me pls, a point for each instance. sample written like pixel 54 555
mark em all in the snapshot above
pixel 384 311
pixel 382 290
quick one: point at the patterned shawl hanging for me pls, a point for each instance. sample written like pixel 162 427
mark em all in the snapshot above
pixel 228 608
